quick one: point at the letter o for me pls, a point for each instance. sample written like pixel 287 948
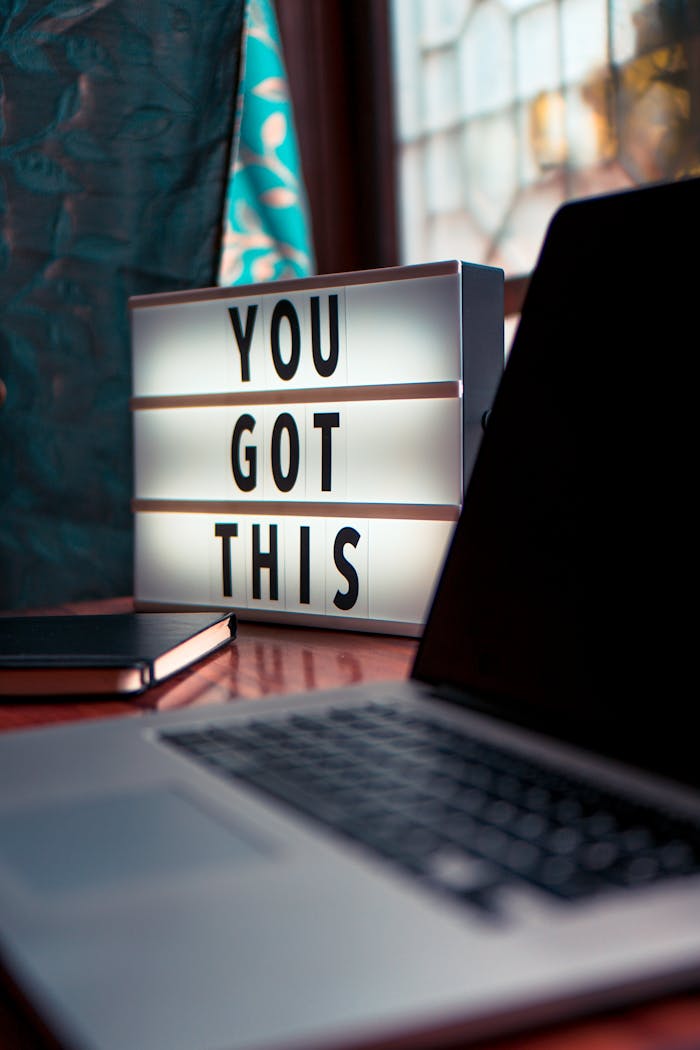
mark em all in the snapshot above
pixel 285 369
pixel 285 482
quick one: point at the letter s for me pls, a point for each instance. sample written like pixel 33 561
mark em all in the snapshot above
pixel 346 535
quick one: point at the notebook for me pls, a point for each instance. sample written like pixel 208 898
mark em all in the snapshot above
pixel 104 654
pixel 509 836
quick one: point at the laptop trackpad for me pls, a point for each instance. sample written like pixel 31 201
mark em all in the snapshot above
pixel 93 844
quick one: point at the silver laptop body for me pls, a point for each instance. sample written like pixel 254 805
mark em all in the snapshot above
pixel 222 876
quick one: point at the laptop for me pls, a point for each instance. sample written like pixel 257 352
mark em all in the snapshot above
pixel 510 836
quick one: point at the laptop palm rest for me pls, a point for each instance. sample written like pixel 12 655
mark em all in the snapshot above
pixel 96 843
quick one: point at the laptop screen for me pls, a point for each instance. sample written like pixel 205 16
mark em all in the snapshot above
pixel 567 594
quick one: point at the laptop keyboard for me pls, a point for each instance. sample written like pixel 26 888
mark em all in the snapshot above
pixel 464 816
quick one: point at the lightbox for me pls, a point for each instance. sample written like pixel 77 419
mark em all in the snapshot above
pixel 302 447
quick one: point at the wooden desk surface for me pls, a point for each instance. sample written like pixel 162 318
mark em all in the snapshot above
pixel 270 659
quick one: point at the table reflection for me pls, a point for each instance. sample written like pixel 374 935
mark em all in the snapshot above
pixel 265 660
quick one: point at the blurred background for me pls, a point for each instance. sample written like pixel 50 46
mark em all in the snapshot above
pixel 146 148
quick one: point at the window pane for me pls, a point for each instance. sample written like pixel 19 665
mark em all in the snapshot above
pixel 486 84
pixel 490 168
pixel 441 85
pixel 407 68
pixel 537 56
pixel 444 179
pixel 584 39
pixel 442 20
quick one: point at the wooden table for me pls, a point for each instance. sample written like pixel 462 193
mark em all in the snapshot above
pixel 269 659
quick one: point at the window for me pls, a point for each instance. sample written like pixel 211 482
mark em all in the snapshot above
pixel 454 128
pixel 506 108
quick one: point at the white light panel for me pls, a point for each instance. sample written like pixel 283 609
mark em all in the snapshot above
pixel 301 448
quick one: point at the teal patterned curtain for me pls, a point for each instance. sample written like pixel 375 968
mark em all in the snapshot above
pixel 266 232
pixel 119 123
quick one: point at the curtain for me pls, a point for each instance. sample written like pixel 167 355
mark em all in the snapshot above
pixel 266 234
pixel 119 175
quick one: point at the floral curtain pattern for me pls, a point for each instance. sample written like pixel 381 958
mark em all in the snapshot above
pixel 266 234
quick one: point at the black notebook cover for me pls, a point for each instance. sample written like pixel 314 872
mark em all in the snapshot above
pixel 119 653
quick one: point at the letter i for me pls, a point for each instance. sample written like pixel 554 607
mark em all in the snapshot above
pixel 304 565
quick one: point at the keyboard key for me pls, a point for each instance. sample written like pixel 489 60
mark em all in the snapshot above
pixel 458 871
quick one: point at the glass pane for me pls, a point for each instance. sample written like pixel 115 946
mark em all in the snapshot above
pixel 623 36
pixel 443 20
pixel 491 168
pixel 444 179
pixel 515 6
pixel 589 135
pixel 486 61
pixel 541 136
pixel 457 236
pixel 412 206
pixel 441 83
pixel 407 68
pixel 584 39
pixel 537 51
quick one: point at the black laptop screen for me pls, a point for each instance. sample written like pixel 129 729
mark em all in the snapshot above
pixel 568 593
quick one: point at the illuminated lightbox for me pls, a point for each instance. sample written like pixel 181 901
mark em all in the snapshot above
pixel 301 448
